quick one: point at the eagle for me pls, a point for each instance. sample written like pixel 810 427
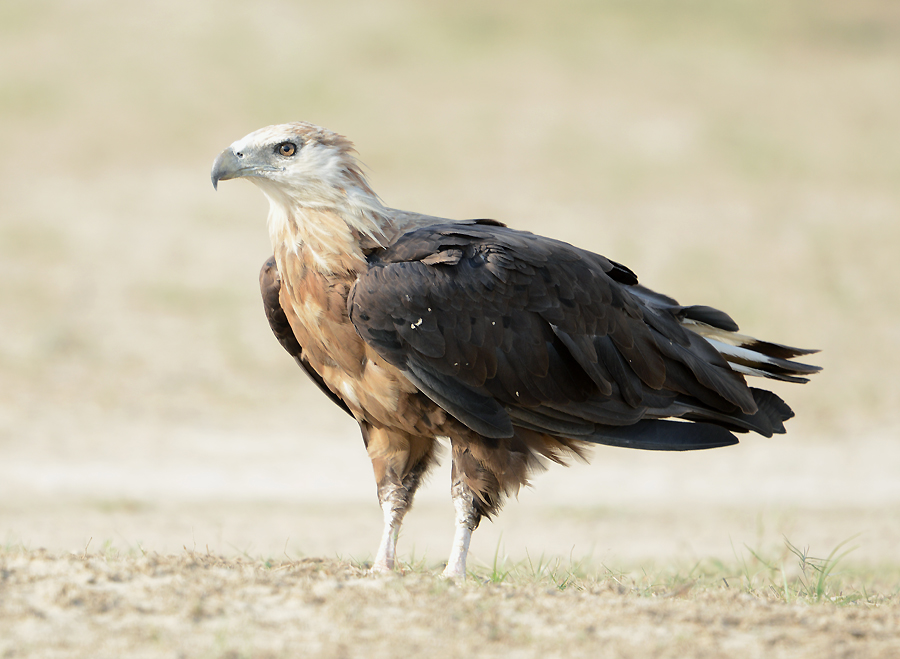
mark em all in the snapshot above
pixel 513 348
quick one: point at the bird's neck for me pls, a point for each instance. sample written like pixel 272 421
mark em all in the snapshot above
pixel 332 228
pixel 333 233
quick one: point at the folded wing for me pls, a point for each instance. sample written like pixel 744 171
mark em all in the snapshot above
pixel 503 328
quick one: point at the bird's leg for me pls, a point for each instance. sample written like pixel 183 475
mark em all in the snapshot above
pixel 395 496
pixel 467 518
pixel 476 493
pixel 394 504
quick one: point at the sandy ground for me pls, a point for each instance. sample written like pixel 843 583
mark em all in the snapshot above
pixel 198 605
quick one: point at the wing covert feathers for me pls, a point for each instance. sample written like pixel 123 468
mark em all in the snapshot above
pixel 504 329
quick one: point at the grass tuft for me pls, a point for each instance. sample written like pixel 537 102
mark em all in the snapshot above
pixel 791 575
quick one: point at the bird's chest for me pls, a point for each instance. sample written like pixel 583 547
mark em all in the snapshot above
pixel 316 308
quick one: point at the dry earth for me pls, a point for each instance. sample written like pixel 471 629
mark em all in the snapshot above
pixel 206 606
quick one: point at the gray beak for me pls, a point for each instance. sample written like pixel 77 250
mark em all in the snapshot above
pixel 226 166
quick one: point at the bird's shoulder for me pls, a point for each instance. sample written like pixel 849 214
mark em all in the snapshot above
pixel 495 245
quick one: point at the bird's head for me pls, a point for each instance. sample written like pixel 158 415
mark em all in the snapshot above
pixel 297 163
pixel 303 168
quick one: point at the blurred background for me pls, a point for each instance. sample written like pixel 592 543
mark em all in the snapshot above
pixel 735 153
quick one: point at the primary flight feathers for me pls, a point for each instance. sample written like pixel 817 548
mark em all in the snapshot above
pixel 514 346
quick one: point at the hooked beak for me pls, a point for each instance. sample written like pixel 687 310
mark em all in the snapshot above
pixel 227 166
pixel 236 164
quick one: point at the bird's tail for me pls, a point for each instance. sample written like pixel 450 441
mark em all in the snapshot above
pixel 662 435
pixel 754 357
pixel 771 413
pixel 699 427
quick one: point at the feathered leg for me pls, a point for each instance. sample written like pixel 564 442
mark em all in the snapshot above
pixel 468 473
pixel 399 461
pixel 395 496
pixel 467 518
pixel 485 472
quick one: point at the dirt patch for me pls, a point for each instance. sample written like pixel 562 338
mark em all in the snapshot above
pixel 193 605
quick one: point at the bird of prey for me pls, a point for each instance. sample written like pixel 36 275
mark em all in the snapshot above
pixel 513 348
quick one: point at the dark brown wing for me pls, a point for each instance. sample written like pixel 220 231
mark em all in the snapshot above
pixel 270 287
pixel 502 327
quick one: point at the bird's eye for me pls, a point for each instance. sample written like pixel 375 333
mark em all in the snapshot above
pixel 286 149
